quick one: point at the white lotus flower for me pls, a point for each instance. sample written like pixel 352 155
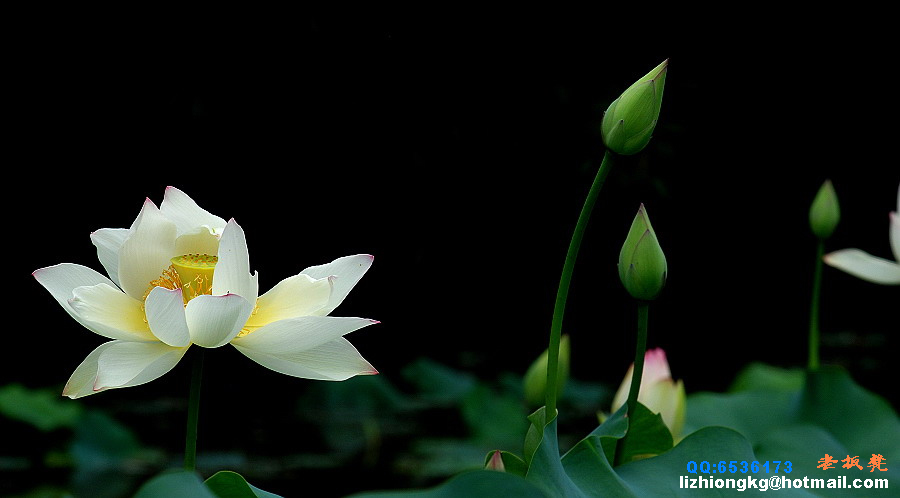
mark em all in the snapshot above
pixel 868 267
pixel 180 276
pixel 658 391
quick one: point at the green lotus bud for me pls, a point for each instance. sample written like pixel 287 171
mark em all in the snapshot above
pixel 642 264
pixel 824 213
pixel 535 380
pixel 629 121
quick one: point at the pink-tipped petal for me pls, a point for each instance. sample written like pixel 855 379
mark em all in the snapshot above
pixel 296 296
pixel 214 321
pixel 62 279
pixel 107 311
pixel 146 252
pixel 128 364
pixel 863 265
pixel 166 318
pixel 118 364
pixel 81 382
pixel 347 271
pixel 187 215
pixel 335 360
pixel 108 241
pixel 311 347
pixel 656 367
pixel 232 274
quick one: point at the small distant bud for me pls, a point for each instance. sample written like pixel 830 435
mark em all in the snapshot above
pixel 535 380
pixel 825 213
pixel 642 264
pixel 496 462
pixel 629 121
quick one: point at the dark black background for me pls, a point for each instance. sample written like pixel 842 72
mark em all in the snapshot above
pixel 457 147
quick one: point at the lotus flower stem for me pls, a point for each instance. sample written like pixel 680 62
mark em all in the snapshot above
pixel 190 441
pixel 813 363
pixel 566 278
pixel 639 353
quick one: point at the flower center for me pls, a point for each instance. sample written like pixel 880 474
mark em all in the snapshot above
pixel 194 274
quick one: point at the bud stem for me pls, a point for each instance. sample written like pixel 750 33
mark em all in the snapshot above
pixel 813 362
pixel 566 278
pixel 639 351
pixel 637 373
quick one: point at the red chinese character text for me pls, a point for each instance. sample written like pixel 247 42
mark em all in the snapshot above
pixel 876 462
pixel 851 462
pixel 827 462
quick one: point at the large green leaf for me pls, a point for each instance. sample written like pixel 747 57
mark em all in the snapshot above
pixel 758 375
pixel 187 484
pixel 175 484
pixel 590 463
pixel 511 462
pixel 752 413
pixel 827 414
pixel 542 454
pixel 228 484
pixel 42 408
pixel 438 384
pixel 662 475
pixel 471 484
pixel 494 418
pixel 102 449
pixel 772 424
pixel 647 435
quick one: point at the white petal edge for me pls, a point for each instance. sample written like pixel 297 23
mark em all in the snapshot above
pixel 165 315
pixel 295 335
pixel 108 241
pixel 61 281
pixel 147 251
pixel 347 271
pixel 895 235
pixel 127 364
pixel 863 265
pixel 118 364
pixel 666 398
pixel 107 311
pixel 621 395
pixel 214 321
pixel 296 296
pixel 200 241
pixel 232 274
pixel 898 198
pixel 335 361
pixel 187 215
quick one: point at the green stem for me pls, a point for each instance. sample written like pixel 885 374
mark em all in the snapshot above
pixel 565 280
pixel 190 441
pixel 637 372
pixel 639 351
pixel 813 363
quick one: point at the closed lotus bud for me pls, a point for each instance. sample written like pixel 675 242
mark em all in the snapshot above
pixel 629 121
pixel 535 380
pixel 658 391
pixel 495 462
pixel 825 212
pixel 642 264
